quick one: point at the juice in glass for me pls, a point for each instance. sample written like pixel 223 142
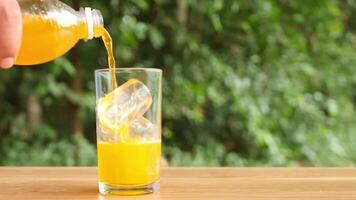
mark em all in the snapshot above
pixel 134 164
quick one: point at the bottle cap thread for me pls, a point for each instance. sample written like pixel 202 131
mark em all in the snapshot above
pixel 90 22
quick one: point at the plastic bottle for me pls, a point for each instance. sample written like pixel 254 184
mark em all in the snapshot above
pixel 51 28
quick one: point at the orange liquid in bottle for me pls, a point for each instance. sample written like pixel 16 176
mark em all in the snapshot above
pixel 46 39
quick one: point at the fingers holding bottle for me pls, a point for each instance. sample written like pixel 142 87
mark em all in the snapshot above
pixel 10 32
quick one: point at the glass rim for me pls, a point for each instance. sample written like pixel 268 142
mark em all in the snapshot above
pixel 129 69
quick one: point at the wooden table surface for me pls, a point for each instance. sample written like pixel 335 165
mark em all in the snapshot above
pixel 62 183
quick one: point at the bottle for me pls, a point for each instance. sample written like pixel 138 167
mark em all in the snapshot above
pixel 51 28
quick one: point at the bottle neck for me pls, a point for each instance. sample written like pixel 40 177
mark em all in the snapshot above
pixel 92 23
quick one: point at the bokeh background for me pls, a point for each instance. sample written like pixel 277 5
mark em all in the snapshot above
pixel 246 83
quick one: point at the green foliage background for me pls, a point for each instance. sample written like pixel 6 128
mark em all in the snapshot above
pixel 246 83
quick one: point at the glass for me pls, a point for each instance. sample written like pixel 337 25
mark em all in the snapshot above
pixel 129 130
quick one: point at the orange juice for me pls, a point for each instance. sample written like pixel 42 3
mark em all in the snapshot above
pixel 45 39
pixel 129 164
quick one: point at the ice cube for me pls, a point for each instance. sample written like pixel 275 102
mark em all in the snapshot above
pixel 127 102
pixel 141 129
pixel 106 135
pixel 131 99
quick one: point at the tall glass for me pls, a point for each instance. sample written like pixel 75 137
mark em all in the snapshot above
pixel 129 130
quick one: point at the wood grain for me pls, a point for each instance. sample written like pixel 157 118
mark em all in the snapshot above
pixel 186 183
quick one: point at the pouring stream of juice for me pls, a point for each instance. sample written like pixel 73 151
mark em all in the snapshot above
pixel 111 60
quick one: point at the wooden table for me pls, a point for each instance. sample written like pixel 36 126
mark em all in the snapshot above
pixel 186 183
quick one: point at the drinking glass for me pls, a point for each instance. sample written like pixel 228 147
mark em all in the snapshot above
pixel 128 127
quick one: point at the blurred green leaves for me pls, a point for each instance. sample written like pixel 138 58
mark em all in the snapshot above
pixel 246 83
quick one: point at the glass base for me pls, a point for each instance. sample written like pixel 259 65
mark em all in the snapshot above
pixel 128 190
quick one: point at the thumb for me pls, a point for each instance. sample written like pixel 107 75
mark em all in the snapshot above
pixel 10 32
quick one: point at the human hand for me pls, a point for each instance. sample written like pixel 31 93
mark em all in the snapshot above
pixel 10 32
